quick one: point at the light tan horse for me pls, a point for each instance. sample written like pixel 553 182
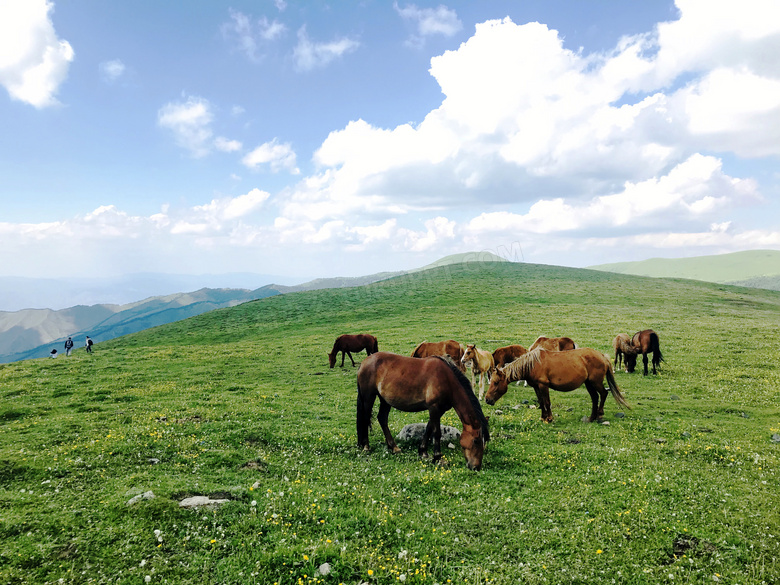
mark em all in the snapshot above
pixel 481 363
pixel 553 343
pixel 563 371
pixel 623 348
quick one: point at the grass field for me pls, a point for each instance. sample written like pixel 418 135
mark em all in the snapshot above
pixel 240 404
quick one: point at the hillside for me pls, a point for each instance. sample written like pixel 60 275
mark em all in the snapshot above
pixel 97 452
pixel 759 268
pixel 32 333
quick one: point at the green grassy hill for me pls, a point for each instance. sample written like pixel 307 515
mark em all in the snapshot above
pixel 759 267
pixel 240 404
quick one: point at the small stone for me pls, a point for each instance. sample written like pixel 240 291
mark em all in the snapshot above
pixel 324 569
pixel 526 402
pixel 451 446
pixel 674 397
pixel 620 415
pixel 585 419
pixel 660 441
pixel 776 438
pixel 532 407
pixel 498 412
pixel 605 423
pixel 153 460
pixel 201 501
pixel 144 496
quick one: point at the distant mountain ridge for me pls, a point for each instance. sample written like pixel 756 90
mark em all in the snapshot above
pixel 754 268
pixel 33 333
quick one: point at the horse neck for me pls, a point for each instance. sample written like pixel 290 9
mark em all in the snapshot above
pixel 464 408
pixel 520 368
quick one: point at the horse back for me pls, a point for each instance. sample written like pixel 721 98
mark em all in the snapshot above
pixel 406 383
pixel 505 355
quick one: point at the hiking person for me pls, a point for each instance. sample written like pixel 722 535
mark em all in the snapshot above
pixel 68 346
pixel 89 345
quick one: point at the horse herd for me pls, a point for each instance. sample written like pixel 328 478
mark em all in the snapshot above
pixel 433 379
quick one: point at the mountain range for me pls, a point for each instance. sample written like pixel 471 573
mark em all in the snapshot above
pixel 753 268
pixel 33 333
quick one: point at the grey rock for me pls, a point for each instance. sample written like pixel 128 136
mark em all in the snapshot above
pixel 144 496
pixel 414 433
pixel 201 501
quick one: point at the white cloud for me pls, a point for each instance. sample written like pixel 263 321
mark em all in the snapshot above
pixel 33 61
pixel 309 55
pixel 226 145
pixel 249 36
pixel 112 70
pixel 429 21
pixel 274 154
pixel 190 122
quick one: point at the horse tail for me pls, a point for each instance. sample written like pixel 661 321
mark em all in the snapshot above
pixel 363 418
pixel 655 344
pixel 614 389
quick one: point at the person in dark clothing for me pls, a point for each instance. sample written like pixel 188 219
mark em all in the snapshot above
pixel 89 345
pixel 68 346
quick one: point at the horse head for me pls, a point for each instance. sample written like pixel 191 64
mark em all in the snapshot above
pixel 499 383
pixel 332 358
pixel 473 443
pixel 469 354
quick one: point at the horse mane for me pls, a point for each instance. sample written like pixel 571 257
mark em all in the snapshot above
pixel 522 366
pixel 419 345
pixel 466 384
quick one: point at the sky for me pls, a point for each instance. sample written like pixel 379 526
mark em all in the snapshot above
pixel 323 138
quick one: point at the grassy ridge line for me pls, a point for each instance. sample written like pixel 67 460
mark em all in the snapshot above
pixel 565 502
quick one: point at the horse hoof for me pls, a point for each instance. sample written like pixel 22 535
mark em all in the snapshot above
pixel 396 450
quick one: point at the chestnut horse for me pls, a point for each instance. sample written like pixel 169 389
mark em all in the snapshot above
pixel 503 355
pixel 645 342
pixel 349 343
pixel 560 370
pixel 553 343
pixel 623 348
pixel 450 347
pixel 412 385
pixel 481 363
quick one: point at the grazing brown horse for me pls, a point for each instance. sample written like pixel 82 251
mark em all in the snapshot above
pixel 503 355
pixel 481 363
pixel 434 384
pixel 553 343
pixel 623 348
pixel 349 343
pixel 645 342
pixel 450 347
pixel 560 370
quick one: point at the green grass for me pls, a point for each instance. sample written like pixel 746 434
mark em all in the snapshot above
pixel 240 404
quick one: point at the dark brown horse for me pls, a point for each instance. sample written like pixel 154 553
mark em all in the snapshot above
pixel 503 355
pixel 450 348
pixel 553 343
pixel 349 343
pixel 560 370
pixel 434 384
pixel 645 342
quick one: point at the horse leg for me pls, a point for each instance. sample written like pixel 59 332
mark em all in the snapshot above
pixel 365 404
pixel 543 396
pixel 433 428
pixel 343 353
pixel 598 396
pixel 481 385
pixel 382 416
pixel 655 361
pixel 350 359
pixel 644 361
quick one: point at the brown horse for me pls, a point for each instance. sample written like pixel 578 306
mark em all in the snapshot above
pixel 349 343
pixel 553 343
pixel 560 370
pixel 503 355
pixel 623 348
pixel 434 384
pixel 481 363
pixel 645 342
pixel 450 348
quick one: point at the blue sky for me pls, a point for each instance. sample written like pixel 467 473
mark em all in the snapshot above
pixel 311 139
